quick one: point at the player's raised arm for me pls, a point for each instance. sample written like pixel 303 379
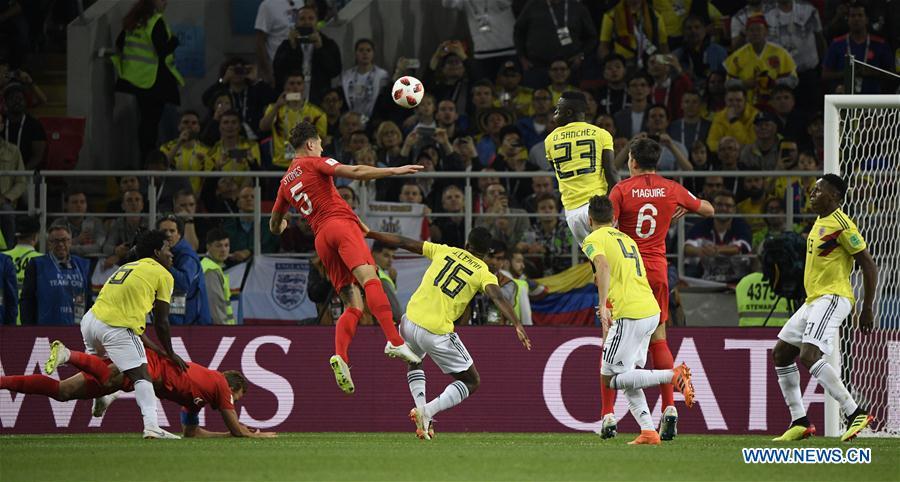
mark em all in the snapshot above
pixel 367 173
pixel 494 293
pixel 870 279
pixel 396 241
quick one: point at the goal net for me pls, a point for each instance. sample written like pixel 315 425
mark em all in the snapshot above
pixel 862 144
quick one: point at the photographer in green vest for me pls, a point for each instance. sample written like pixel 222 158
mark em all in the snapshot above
pixel 145 65
pixel 218 289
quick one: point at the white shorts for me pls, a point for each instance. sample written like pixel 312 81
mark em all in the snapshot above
pixel 119 344
pixel 447 351
pixel 816 322
pixel 579 223
pixel 626 344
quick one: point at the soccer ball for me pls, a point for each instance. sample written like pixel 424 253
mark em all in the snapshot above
pixel 408 92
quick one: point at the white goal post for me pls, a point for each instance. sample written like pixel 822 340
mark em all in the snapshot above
pixel 862 144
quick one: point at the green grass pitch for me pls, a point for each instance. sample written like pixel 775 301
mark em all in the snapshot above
pixel 396 456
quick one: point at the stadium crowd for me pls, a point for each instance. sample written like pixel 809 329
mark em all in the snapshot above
pixel 721 85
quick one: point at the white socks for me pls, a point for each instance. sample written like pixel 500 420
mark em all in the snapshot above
pixel 455 393
pixel 146 400
pixel 637 404
pixel 789 381
pixel 828 378
pixel 637 379
pixel 416 380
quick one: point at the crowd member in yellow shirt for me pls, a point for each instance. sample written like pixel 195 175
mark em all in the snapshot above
pixel 233 152
pixel 634 30
pixel 621 279
pixel 833 247
pixel 289 110
pixel 454 277
pixel 760 65
pixel 735 120
pixel 115 325
pixel 185 152
pixel 674 13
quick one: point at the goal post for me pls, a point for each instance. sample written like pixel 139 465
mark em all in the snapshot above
pixel 862 144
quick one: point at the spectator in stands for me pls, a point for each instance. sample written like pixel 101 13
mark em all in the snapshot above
pixel 509 230
pixel 632 119
pixel 14 26
pixel 333 107
pixel 233 152
pixel 11 187
pixel 541 184
pixel 864 47
pixel 674 154
pixel 166 187
pixel 87 232
pixel 125 184
pixel 491 27
pixel 24 249
pixel 482 97
pixel 491 121
pixel 123 230
pixel 447 118
pixel 189 305
pixel 712 185
pixel 612 96
pixel 145 65
pixel 634 30
pixel 548 239
pixel 739 20
pixel 9 292
pixel 549 30
pixel 466 154
pixel 801 186
pixel 184 205
pixel 691 127
pixel 727 160
pixel 760 65
pixel 423 116
pixel 509 90
pixel 298 237
pixel 795 26
pixel 219 196
pixel 446 76
pixel 719 236
pixel 389 141
pixel 384 260
pixel 754 194
pixel 762 154
pixel 349 123
pixel 514 291
pixel 450 230
pixel 713 95
pixel 773 226
pixel 186 152
pixel 215 279
pixel 57 285
pixel 311 53
pixel 34 96
pixel 358 140
pixel 363 82
pixel 700 160
pixel 735 120
pixel 289 109
pixel 412 193
pixel 670 82
pixel 673 16
pixel 210 129
pixel 21 129
pixel 791 122
pixel 240 230
pixel 560 74
pixel 376 189
pixel 249 95
pixel 274 21
pixel 512 156
pixel 700 54
pixel 534 128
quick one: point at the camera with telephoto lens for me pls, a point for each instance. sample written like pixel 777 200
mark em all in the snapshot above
pixel 303 34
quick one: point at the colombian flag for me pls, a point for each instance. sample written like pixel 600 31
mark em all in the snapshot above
pixel 571 301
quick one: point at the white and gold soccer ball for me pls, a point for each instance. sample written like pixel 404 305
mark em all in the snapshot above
pixel 408 92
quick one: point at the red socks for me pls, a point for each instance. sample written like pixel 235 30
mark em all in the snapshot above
pixel 37 384
pixel 91 364
pixel 607 398
pixel 344 332
pixel 662 360
pixel 380 307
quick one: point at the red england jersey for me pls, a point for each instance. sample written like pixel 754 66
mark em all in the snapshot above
pixel 644 206
pixel 308 186
pixel 197 387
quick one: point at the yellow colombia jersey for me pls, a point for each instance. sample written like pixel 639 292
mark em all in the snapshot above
pixel 574 151
pixel 629 291
pixel 453 279
pixel 830 247
pixel 129 293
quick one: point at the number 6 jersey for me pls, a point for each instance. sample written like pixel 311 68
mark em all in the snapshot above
pixel 454 277
pixel 308 186
pixel 644 206
pixel 574 151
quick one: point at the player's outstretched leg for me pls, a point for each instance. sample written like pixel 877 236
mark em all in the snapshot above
pixel 466 384
pixel 663 360
pixel 59 355
pixel 34 384
pixel 90 364
pixel 857 418
pixel 680 377
pixel 345 331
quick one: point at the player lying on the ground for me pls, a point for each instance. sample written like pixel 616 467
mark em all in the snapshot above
pixel 644 205
pixel 308 187
pixel 621 279
pixel 454 277
pixel 833 244
pixel 101 380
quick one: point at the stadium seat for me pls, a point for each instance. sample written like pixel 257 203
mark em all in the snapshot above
pixel 65 136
